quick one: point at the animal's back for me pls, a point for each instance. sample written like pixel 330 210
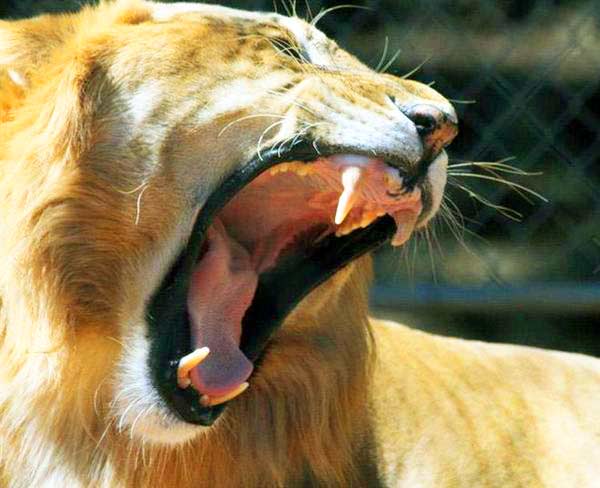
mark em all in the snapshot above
pixel 452 413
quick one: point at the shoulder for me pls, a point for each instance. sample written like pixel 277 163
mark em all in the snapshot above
pixel 449 409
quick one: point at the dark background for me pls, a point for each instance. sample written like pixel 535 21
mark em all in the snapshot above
pixel 525 77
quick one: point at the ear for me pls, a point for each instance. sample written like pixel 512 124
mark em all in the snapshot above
pixel 30 55
pixel 25 45
pixel 59 83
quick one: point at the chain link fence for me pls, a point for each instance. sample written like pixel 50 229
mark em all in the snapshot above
pixel 501 263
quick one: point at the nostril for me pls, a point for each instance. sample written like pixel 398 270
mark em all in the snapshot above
pixel 436 127
pixel 425 123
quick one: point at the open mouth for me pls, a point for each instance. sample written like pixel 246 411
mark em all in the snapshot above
pixel 273 231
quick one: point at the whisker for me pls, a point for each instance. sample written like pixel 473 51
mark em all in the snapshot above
pixel 435 226
pixel 103 436
pixel 417 68
pixel 293 102
pixel 297 135
pixel 327 11
pixel 305 65
pixel 499 166
pixel 123 416
pixel 263 135
pixel 390 62
pixel 137 418
pixel 386 44
pixel 462 231
pixel 430 253
pixel 462 102
pixel 294 137
pixel 407 264
pixel 451 218
pixel 453 223
pixel 309 14
pixel 502 181
pixel 415 250
pixel 135 190
pixel 247 117
pixel 315 145
pixel 285 6
pixel 138 205
pixel 506 211
pixel 289 50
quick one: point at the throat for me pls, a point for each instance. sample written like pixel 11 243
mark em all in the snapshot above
pixel 221 290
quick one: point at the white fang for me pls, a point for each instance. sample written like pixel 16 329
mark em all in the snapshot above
pixel 350 178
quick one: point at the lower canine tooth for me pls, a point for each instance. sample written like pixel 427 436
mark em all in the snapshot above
pixel 207 401
pixel 189 362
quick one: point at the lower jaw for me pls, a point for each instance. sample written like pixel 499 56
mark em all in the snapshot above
pixel 277 294
pixel 279 290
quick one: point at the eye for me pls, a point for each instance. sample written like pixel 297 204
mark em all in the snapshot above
pixel 289 48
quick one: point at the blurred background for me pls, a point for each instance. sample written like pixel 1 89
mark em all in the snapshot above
pixel 515 260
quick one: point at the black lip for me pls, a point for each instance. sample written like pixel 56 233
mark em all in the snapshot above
pixel 278 291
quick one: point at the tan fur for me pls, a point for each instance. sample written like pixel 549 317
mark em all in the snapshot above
pixel 452 413
pixel 95 201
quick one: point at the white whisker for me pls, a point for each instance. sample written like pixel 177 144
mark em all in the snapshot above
pixel 262 136
pixel 502 181
pixel 247 117
pixel 138 205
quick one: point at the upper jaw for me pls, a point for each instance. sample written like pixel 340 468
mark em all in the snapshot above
pixel 278 289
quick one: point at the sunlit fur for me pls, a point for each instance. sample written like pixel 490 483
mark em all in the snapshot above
pixel 335 401
pixel 75 278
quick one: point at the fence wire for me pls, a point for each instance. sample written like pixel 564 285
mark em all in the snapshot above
pixel 525 78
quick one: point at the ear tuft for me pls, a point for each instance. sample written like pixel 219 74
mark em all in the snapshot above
pixel 25 45
pixel 14 52
pixel 17 78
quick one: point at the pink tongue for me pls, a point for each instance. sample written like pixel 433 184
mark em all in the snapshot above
pixel 221 290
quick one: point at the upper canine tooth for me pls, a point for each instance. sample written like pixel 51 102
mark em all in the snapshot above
pixel 350 178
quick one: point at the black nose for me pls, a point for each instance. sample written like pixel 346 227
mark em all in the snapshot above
pixel 436 127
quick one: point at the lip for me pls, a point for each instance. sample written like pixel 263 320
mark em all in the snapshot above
pixel 279 290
